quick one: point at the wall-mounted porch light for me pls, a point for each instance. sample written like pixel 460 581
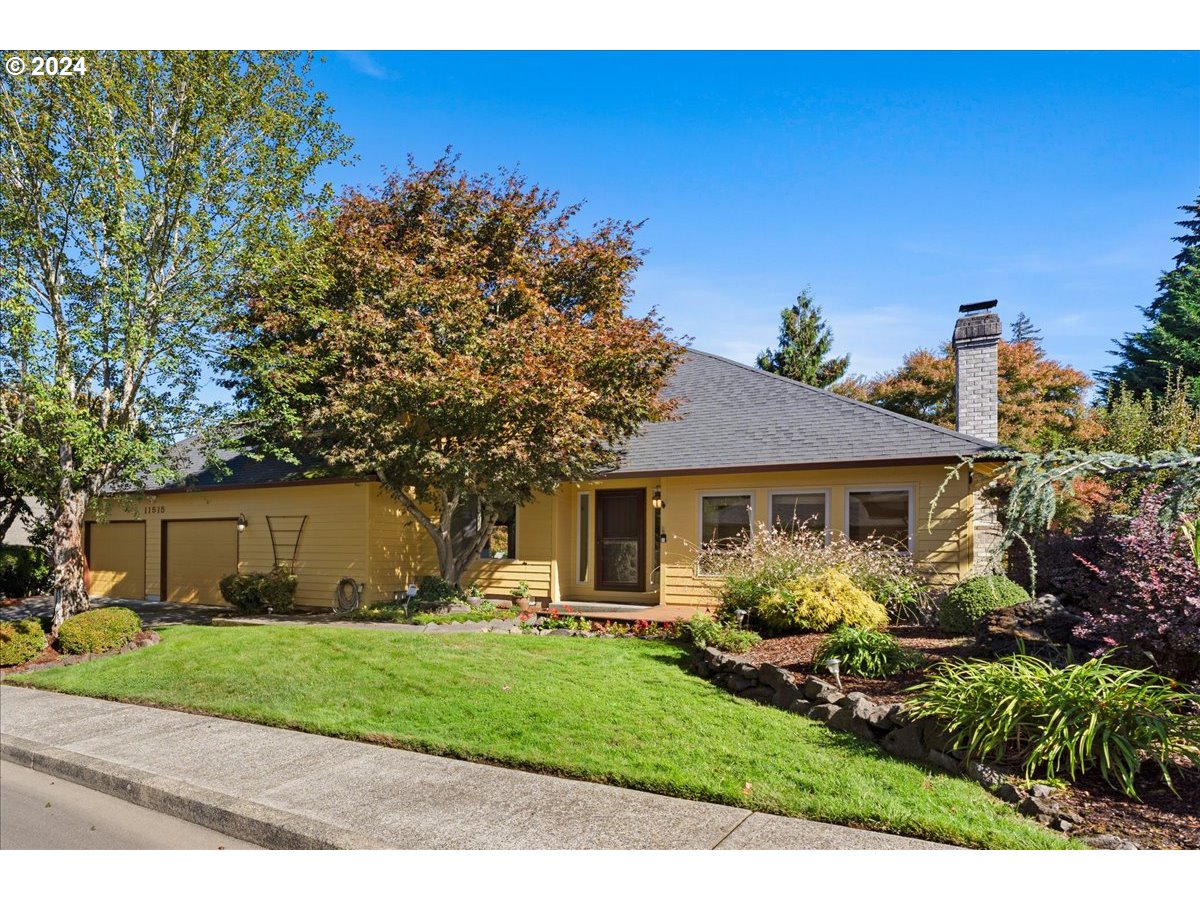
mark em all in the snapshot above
pixel 241 525
pixel 657 501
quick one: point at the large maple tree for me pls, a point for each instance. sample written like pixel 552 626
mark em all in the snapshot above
pixel 458 338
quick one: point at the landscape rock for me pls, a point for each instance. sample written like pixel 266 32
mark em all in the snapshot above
pixel 1041 791
pixel 1041 627
pixel 851 699
pixel 823 712
pixel 880 716
pixel 737 683
pixel 819 691
pixel 847 719
pixel 800 707
pixel 787 695
pixel 989 777
pixel 749 671
pixel 1010 793
pixel 1037 806
pixel 775 677
pixel 944 761
pixel 1108 842
pixel 905 742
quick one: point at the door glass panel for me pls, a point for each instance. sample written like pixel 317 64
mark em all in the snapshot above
pixel 620 561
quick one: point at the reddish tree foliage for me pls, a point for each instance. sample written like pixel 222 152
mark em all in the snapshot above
pixel 1041 401
pixel 457 338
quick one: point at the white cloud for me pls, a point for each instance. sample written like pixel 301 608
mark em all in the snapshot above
pixel 362 62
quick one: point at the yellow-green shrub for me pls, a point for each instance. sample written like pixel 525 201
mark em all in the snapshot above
pixel 99 630
pixel 820 602
pixel 21 641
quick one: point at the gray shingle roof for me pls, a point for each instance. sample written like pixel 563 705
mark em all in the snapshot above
pixel 734 416
pixel 730 416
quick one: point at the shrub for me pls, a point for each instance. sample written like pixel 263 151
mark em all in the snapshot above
pixel 21 641
pixel 1095 715
pixel 705 631
pixel 969 600
pixel 820 603
pixel 1143 591
pixel 433 590
pixel 872 654
pixel 256 591
pixel 521 591
pixel 98 630
pixel 24 571
pixel 755 569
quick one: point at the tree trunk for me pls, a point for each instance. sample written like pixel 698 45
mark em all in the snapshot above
pixel 70 593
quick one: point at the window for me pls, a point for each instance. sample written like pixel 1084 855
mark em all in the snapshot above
pixel 793 510
pixel 725 518
pixel 882 513
pixel 503 541
pixel 585 537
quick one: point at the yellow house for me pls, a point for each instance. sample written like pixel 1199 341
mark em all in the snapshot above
pixel 747 450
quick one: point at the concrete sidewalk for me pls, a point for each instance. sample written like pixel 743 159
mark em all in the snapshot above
pixel 287 789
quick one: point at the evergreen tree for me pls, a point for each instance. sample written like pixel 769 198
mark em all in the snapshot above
pixel 805 341
pixel 1023 329
pixel 1171 340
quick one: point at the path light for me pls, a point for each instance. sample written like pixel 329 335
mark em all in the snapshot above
pixel 741 617
pixel 241 526
pixel 834 665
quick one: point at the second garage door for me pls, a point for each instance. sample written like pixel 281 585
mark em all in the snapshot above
pixel 197 555
pixel 116 554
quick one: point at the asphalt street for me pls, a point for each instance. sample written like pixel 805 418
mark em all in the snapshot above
pixel 42 812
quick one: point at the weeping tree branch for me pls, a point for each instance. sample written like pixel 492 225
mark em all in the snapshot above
pixel 1039 481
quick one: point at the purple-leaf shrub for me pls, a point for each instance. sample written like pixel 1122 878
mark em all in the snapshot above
pixel 1143 591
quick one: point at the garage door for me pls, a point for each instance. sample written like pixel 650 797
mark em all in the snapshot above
pixel 197 556
pixel 116 554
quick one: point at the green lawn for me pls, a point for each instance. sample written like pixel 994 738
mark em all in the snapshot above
pixel 616 711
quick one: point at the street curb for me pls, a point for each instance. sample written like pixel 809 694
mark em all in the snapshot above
pixel 271 828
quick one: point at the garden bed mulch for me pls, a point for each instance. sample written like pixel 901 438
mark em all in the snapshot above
pixel 1161 819
pixel 51 658
pixel 795 654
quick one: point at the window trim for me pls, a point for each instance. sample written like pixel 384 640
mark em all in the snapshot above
pixel 772 492
pixel 909 488
pixel 591 515
pixel 728 492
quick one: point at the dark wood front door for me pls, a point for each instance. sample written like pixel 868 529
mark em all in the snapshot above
pixel 621 540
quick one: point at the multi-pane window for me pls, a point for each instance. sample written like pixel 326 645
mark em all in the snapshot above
pixel 880 513
pixel 792 511
pixel 725 519
pixel 503 541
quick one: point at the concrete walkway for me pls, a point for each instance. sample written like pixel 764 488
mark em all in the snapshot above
pixel 279 788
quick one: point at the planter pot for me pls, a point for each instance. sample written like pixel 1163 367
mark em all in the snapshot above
pixel 522 603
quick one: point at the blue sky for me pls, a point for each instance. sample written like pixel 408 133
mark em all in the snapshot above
pixel 895 185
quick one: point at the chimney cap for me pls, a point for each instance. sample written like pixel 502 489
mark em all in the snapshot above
pixel 978 307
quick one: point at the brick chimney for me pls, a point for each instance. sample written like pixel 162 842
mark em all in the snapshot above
pixel 976 335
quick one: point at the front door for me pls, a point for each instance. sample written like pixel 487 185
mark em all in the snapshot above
pixel 621 540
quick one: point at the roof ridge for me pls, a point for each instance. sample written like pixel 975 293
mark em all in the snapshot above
pixel 938 429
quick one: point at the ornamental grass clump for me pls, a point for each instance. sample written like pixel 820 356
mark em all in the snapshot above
pixel 871 654
pixel 753 570
pixel 1093 716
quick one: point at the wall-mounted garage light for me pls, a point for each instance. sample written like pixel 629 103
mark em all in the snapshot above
pixel 657 501
pixel 241 526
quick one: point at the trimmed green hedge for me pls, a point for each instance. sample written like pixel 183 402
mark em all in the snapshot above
pixel 21 641
pixel 24 571
pixel 255 591
pixel 98 630
pixel 970 600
